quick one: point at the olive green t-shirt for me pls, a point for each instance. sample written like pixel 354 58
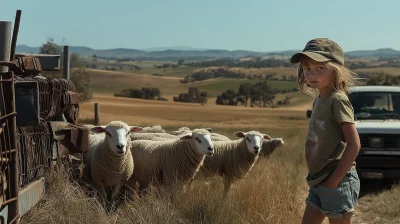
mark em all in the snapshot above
pixel 325 142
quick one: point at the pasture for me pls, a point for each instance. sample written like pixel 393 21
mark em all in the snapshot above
pixel 273 192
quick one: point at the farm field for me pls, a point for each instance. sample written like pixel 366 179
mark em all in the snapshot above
pixel 273 192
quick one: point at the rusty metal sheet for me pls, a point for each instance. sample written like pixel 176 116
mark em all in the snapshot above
pixel 35 149
pixel 79 138
pixel 31 195
pixel 71 98
pixel 26 65
pixel 27 103
pixel 73 137
pixel 47 62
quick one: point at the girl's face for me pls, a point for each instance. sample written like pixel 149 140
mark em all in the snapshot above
pixel 317 75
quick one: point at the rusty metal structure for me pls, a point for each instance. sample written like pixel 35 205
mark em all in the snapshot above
pixel 38 124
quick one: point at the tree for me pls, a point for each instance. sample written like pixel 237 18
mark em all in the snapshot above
pixel 244 92
pixel 181 61
pixel 50 47
pixel 262 93
pixel 227 98
pixel 193 95
pixel 81 80
pixel 75 61
pixel 79 76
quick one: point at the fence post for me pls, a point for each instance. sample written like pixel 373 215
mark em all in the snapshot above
pixel 5 41
pixel 66 63
pixel 96 114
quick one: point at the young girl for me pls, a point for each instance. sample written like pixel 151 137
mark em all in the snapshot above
pixel 332 142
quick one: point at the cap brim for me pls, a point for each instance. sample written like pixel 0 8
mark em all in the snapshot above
pixel 315 56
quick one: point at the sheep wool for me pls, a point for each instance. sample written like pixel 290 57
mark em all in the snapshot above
pixel 106 166
pixel 268 147
pixel 231 160
pixel 165 161
pixel 152 136
pixel 153 129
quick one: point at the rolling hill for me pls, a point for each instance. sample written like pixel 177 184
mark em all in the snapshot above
pixel 189 53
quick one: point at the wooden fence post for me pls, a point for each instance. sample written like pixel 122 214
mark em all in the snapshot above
pixel 96 114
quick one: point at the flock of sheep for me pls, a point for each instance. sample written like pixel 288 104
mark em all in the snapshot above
pixel 137 157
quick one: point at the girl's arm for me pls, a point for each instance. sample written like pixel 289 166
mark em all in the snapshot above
pixel 349 155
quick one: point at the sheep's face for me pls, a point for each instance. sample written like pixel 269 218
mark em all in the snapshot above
pixel 253 140
pixel 202 142
pixel 117 137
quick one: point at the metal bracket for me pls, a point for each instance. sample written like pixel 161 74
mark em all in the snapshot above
pixel 74 138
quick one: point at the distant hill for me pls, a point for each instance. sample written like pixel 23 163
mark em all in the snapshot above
pixel 383 52
pixel 189 53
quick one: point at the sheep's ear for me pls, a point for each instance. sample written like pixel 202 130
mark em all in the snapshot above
pixel 267 137
pixel 98 129
pixel 186 136
pixel 135 128
pixel 239 134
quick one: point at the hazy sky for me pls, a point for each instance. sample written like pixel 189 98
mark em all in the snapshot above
pixel 259 25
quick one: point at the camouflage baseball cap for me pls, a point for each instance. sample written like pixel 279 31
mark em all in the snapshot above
pixel 321 50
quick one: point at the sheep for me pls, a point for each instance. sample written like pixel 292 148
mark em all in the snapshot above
pixel 219 137
pixel 165 162
pixel 180 131
pixel 183 130
pixel 233 159
pixel 108 162
pixel 153 129
pixel 167 136
pixel 268 147
pixel 152 136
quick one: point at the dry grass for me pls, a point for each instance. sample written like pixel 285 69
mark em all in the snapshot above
pixel 386 70
pixel 279 71
pixel 172 114
pixel 380 207
pixel 273 192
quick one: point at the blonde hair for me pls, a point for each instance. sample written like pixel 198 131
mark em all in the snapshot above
pixel 343 80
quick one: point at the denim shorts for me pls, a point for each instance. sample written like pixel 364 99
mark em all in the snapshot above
pixel 336 202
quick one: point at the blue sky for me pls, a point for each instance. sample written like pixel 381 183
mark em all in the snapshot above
pixel 258 25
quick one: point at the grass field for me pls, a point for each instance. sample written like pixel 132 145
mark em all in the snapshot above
pixel 110 82
pixel 387 70
pixel 273 192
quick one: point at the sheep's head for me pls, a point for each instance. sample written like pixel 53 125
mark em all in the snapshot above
pixel 253 140
pixel 201 139
pixel 117 135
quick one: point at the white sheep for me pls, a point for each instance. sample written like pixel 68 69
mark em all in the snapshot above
pixel 268 147
pixel 165 162
pixel 184 130
pixel 180 131
pixel 152 136
pixel 108 162
pixel 153 129
pixel 233 159
pixel 219 137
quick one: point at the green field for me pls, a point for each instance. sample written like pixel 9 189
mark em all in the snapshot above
pixel 217 86
pixel 113 82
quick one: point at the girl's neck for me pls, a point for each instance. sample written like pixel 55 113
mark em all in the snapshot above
pixel 326 91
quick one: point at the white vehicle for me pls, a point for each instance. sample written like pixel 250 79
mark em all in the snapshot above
pixel 377 115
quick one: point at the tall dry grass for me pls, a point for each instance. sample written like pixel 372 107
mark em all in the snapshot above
pixel 273 192
pixel 381 205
